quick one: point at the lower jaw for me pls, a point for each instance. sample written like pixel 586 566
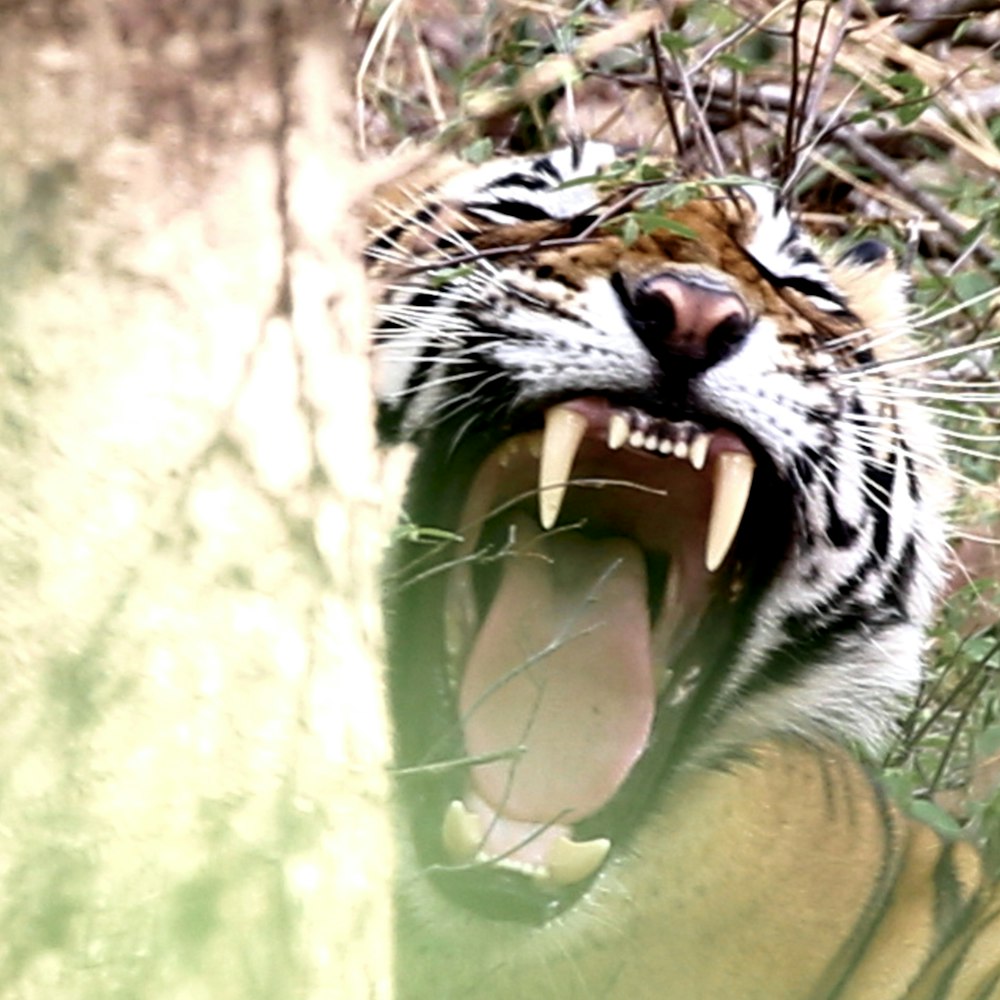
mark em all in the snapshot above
pixel 495 892
pixel 660 915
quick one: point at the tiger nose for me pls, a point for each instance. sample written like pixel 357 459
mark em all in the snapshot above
pixel 687 318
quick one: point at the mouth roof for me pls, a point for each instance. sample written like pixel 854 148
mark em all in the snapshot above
pixel 562 668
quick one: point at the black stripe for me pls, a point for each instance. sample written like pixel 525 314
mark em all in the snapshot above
pixel 898 586
pixel 809 638
pixel 912 481
pixel 805 286
pixel 944 983
pixel 815 631
pixel 806 462
pixel 948 895
pixel 547 167
pixel 879 482
pixel 855 948
pixel 388 420
pixel 840 533
pixel 521 210
pixel 525 181
pixel 422 368
pixel 422 300
pixel 812 288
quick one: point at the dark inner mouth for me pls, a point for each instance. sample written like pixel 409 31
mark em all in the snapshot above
pixel 574 655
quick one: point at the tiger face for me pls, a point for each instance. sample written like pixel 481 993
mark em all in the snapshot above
pixel 664 505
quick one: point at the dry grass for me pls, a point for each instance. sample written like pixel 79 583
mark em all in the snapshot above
pixel 877 118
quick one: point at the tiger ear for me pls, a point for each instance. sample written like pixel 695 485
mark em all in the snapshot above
pixel 867 253
pixel 877 292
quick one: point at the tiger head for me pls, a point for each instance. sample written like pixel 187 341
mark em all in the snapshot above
pixel 667 499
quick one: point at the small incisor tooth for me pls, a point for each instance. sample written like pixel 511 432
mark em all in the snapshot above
pixel 570 861
pixel 564 430
pixel 461 832
pixel 698 451
pixel 732 476
pixel 617 431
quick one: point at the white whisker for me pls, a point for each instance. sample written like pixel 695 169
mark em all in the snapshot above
pixel 931 318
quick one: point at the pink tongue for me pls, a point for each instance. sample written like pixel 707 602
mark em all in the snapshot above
pixel 562 667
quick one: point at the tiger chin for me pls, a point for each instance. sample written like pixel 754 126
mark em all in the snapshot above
pixel 671 543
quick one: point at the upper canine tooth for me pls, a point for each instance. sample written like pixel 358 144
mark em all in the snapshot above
pixel 564 430
pixel 617 431
pixel 570 861
pixel 461 832
pixel 732 479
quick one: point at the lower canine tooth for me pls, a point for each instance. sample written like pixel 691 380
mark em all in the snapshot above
pixel 461 832
pixel 564 430
pixel 732 476
pixel 571 861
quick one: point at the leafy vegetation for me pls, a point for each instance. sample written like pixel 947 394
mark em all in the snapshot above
pixel 878 119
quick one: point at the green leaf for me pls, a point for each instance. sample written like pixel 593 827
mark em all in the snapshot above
pixel 988 741
pixel 630 230
pixel 934 815
pixel 478 151
pixel 441 277
pixel 674 41
pixel 738 64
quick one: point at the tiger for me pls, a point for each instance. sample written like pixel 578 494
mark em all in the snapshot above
pixel 670 547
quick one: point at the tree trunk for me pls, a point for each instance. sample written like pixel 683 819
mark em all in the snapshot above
pixel 192 739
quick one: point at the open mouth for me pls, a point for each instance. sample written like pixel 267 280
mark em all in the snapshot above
pixel 599 556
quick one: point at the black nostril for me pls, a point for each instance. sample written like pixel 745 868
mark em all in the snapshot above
pixel 653 317
pixel 687 321
pixel 728 334
pixel 650 316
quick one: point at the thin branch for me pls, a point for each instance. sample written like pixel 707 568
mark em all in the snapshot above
pixel 940 20
pixel 665 96
pixel 888 170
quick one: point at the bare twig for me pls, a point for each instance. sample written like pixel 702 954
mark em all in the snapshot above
pixel 553 72
pixel 927 203
pixel 939 20
pixel 665 96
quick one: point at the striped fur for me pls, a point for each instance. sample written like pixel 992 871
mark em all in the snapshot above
pixel 751 856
